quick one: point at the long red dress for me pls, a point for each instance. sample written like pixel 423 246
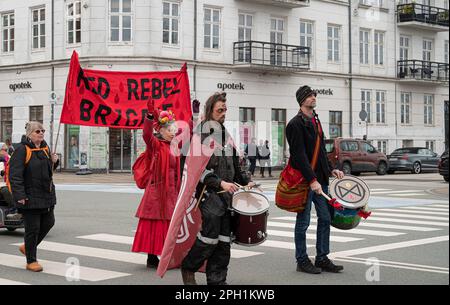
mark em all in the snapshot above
pixel 158 203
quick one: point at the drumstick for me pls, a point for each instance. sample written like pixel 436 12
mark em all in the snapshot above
pixel 200 198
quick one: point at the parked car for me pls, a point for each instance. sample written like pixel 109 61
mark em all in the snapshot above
pixel 354 156
pixel 443 165
pixel 413 159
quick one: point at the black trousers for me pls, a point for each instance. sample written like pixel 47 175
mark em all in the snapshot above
pixel 213 243
pixel 37 225
pixel 7 197
pixel 263 164
pixel 252 165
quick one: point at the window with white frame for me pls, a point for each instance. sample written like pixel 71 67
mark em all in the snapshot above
pixel 446 4
pixel 446 59
pixel 378 3
pixel 171 22
pixel 382 146
pixel 430 145
pixel 334 43
pixel 38 28
pixel 428 110
pixel 405 108
pixel 381 106
pixel 212 28
pixel 404 47
pixel 365 102
pixel 245 29
pixel 427 52
pixel 8 23
pixel 121 20
pixel 364 42
pixel 307 36
pixel 379 48
pixel 74 22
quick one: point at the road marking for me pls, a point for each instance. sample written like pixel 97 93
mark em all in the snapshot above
pixel 338 239
pixel 280 244
pixel 9 283
pixel 353 231
pixel 60 269
pixel 392 246
pixel 417 222
pixel 395 265
pixel 374 190
pixel 393 192
pixel 401 264
pixel 409 194
pixel 425 209
pixel 399 215
pixel 413 212
pixel 128 240
pixel 441 206
pixel 376 225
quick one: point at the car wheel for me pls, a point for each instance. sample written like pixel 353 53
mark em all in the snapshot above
pixel 446 178
pixel 11 229
pixel 347 168
pixel 390 171
pixel 382 169
pixel 417 168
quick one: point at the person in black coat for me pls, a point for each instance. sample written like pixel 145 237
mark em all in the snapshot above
pixel 302 132
pixel 33 189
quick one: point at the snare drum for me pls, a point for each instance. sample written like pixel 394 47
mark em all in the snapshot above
pixel 353 193
pixel 249 213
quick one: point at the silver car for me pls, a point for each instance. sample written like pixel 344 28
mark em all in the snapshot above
pixel 413 159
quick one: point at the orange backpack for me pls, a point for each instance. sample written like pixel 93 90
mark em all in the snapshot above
pixel 29 152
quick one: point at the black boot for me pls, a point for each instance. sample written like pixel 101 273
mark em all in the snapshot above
pixel 188 277
pixel 152 261
pixel 328 266
pixel 307 267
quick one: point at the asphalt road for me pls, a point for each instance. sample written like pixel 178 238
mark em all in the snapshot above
pixel 405 241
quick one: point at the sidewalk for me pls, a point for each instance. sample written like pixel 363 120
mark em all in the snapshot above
pixel 121 178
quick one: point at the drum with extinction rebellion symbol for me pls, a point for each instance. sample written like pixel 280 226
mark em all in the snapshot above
pixel 353 193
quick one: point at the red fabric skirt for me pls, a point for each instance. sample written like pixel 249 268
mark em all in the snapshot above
pixel 150 236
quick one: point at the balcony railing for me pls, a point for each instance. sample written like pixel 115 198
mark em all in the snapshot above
pixel 282 3
pixel 422 13
pixel 423 70
pixel 271 55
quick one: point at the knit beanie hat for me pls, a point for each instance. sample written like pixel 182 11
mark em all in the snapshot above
pixel 303 93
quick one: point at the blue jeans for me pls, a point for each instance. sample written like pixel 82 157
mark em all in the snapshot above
pixel 323 227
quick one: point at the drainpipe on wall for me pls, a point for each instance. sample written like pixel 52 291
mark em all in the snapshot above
pixel 350 66
pixel 52 104
pixel 195 47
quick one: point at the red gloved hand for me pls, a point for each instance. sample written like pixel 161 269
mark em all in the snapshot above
pixel 151 105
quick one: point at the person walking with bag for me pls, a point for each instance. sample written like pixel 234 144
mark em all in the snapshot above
pixel 306 145
pixel 264 159
pixel 160 196
pixel 30 179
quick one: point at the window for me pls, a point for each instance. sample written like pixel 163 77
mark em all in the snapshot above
pixel 37 113
pixel 427 50
pixel 245 34
pixel 446 54
pixel 307 36
pixel 404 47
pixel 428 112
pixel 247 125
pixel 74 22
pixel 276 37
pixel 335 124
pixel 405 108
pixel 364 47
pixel 121 19
pixel 6 120
pixel 430 145
pixel 366 102
pixel 407 143
pixel 378 3
pixel 8 32
pixel 38 28
pixel 349 146
pixel 171 22
pixel 334 42
pixel 278 136
pixel 212 28
pixel 381 106
pixel 379 48
pixel 382 146
pixel 368 148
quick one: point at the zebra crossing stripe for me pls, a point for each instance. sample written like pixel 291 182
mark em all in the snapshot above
pixel 10 283
pixel 423 208
pixel 441 206
pixel 408 221
pixel 280 244
pixel 61 269
pixel 338 239
pixel 393 192
pixel 413 212
pixel 376 225
pixel 399 215
pixel 353 231
pixel 409 195
pixel 128 240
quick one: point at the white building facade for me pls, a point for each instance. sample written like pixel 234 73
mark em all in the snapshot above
pixel 389 59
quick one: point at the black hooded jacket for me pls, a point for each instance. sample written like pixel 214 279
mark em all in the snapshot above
pixel 33 181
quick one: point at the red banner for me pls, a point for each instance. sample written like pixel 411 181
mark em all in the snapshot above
pixel 119 99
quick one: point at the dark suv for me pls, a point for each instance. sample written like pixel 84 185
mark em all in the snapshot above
pixel 443 165
pixel 354 156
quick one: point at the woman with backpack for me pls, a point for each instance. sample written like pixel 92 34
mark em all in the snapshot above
pixel 30 178
pixel 161 191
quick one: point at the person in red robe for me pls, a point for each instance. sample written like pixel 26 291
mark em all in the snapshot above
pixel 160 196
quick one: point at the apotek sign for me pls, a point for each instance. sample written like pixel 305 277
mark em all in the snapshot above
pixel 22 85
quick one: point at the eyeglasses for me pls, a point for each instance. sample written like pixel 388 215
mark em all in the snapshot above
pixel 39 131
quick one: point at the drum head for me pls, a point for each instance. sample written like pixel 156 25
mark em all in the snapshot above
pixel 350 191
pixel 250 203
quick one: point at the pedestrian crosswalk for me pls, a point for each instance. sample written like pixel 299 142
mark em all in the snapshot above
pixel 386 224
